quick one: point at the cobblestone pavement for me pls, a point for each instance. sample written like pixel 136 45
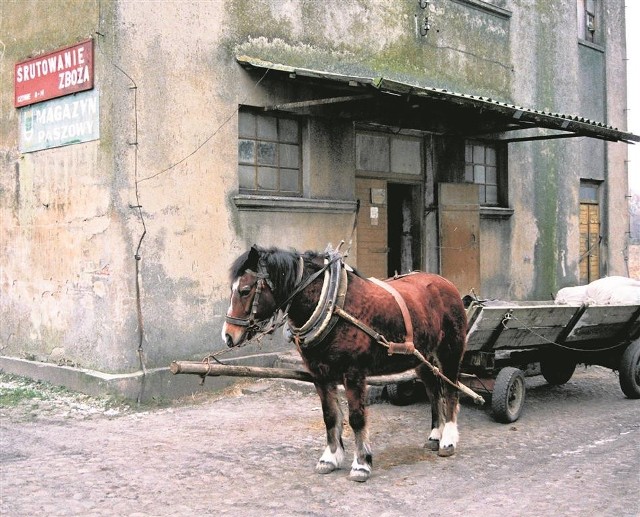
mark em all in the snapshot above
pixel 575 451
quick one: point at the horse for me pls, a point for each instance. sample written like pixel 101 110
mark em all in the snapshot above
pixel 347 347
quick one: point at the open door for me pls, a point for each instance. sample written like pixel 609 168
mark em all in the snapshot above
pixel 372 227
pixel 404 228
pixel 389 227
pixel 459 229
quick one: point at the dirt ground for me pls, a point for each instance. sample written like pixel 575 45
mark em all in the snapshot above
pixel 251 450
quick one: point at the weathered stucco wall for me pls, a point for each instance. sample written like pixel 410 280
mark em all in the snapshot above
pixel 67 288
pixel 616 154
pixel 553 72
pixel 467 48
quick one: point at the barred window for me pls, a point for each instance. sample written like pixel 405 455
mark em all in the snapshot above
pixel 588 22
pixel 269 157
pixel 481 168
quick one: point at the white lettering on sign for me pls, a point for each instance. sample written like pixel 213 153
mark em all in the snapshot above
pixel 73 77
pixel 64 71
pixel 71 131
pixel 67 111
pixel 63 121
pixel 73 58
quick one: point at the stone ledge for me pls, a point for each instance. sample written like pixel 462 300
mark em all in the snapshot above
pixel 292 204
pixel 494 212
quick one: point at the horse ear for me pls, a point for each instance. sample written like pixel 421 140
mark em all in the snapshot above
pixel 253 258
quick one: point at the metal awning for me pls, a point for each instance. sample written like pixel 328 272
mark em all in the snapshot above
pixel 425 108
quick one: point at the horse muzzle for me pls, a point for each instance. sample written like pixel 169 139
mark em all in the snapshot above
pixel 233 335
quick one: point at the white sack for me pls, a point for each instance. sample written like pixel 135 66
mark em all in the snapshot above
pixel 626 295
pixel 599 292
pixel 571 295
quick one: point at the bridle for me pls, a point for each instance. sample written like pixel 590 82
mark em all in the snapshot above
pixel 252 324
pixel 268 325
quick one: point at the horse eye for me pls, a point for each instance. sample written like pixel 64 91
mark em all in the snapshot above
pixel 244 291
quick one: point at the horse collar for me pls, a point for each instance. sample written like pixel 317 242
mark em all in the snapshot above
pixel 322 320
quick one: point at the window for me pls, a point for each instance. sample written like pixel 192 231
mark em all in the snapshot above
pixel 384 153
pixel 587 20
pixel 269 154
pixel 482 168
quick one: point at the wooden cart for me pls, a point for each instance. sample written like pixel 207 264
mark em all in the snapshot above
pixel 508 339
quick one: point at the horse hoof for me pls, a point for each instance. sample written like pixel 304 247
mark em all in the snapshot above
pixel 432 445
pixel 359 475
pixel 447 451
pixel 325 467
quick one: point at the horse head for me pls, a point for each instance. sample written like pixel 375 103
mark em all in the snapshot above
pixel 252 300
pixel 262 279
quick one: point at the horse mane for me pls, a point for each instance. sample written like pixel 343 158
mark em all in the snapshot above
pixel 281 266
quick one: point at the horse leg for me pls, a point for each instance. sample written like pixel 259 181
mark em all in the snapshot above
pixel 449 440
pixel 333 455
pixel 444 412
pixel 432 388
pixel 355 390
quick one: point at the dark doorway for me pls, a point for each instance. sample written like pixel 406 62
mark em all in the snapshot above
pixel 403 229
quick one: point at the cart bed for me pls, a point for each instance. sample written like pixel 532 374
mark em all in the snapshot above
pixel 525 325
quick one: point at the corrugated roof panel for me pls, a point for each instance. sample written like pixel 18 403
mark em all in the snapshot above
pixel 580 126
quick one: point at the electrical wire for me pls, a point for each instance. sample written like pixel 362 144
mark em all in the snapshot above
pixel 138 278
pixel 204 142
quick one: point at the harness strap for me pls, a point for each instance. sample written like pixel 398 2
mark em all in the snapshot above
pixel 399 348
pixel 478 399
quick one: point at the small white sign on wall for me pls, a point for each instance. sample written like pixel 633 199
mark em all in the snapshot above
pixel 373 215
pixel 64 121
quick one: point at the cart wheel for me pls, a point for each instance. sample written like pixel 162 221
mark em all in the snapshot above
pixel 557 369
pixel 508 395
pixel 401 393
pixel 630 371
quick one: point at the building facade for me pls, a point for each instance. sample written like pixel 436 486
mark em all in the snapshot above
pixel 484 140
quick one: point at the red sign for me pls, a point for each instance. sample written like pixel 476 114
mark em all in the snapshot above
pixel 65 71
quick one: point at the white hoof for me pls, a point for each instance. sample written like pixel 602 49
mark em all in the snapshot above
pixel 445 452
pixel 433 442
pixel 330 461
pixel 432 445
pixel 359 476
pixel 359 472
pixel 449 435
pixel 449 440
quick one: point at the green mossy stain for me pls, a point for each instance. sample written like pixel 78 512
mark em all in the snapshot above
pixel 546 210
pixel 546 166
pixel 457 58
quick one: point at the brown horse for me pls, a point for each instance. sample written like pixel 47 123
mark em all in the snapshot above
pixel 266 281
